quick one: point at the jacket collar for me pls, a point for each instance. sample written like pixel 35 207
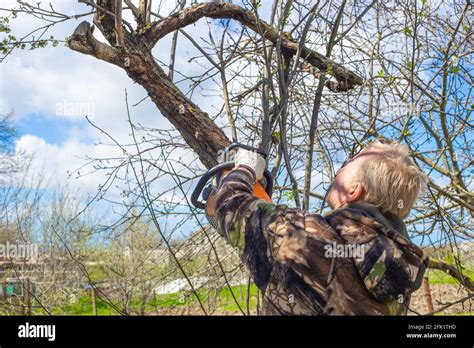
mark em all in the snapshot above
pixel 369 210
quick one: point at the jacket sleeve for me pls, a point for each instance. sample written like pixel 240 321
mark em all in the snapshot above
pixel 265 233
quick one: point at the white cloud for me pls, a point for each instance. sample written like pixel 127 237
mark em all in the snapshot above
pixel 63 165
pixel 56 161
pixel 60 83
pixel 40 82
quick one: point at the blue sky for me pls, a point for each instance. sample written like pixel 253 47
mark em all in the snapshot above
pixel 36 84
pixel 51 90
pixel 53 130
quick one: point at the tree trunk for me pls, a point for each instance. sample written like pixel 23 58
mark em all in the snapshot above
pixel 133 54
pixel 198 130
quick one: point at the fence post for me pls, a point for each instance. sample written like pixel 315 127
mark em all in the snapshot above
pixel 28 295
pixel 22 298
pixel 427 295
pixel 94 306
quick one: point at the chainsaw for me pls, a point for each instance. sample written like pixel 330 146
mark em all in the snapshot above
pixel 206 186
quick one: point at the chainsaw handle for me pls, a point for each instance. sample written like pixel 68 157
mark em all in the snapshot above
pixel 215 171
pixel 204 180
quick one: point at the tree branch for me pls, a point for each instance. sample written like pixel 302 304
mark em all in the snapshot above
pixel 196 127
pixel 82 41
pixel 452 271
pixel 346 78
pixel 144 11
pixel 118 23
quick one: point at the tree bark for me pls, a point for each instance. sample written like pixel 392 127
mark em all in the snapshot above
pixel 427 295
pixel 196 127
pixel 133 54
pixel 452 271
pixel 346 79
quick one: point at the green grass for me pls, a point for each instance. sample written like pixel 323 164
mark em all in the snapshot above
pixel 439 277
pixel 440 314
pixel 224 302
pixel 227 303
pixel 84 307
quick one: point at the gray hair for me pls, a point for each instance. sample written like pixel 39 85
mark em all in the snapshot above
pixel 391 179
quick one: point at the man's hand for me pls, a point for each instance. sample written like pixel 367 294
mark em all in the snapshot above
pixel 252 160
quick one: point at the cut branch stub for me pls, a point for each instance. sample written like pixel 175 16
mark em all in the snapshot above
pixel 83 41
pixel 144 12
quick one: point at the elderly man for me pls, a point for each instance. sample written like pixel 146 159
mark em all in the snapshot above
pixel 357 260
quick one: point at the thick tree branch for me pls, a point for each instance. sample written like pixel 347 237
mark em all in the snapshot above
pixel 196 127
pixel 84 42
pixel 133 54
pixel 346 78
pixel 452 271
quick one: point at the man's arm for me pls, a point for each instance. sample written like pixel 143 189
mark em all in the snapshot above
pixel 265 233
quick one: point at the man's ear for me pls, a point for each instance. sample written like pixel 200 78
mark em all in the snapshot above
pixel 356 193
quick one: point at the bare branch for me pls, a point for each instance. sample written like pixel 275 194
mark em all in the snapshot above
pixel 118 23
pixel 452 271
pixel 346 78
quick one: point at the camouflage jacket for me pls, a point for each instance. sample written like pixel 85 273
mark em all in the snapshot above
pixel 354 261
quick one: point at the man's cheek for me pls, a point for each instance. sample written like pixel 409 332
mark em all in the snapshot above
pixel 331 198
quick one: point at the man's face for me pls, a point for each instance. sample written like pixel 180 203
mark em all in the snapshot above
pixel 347 186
